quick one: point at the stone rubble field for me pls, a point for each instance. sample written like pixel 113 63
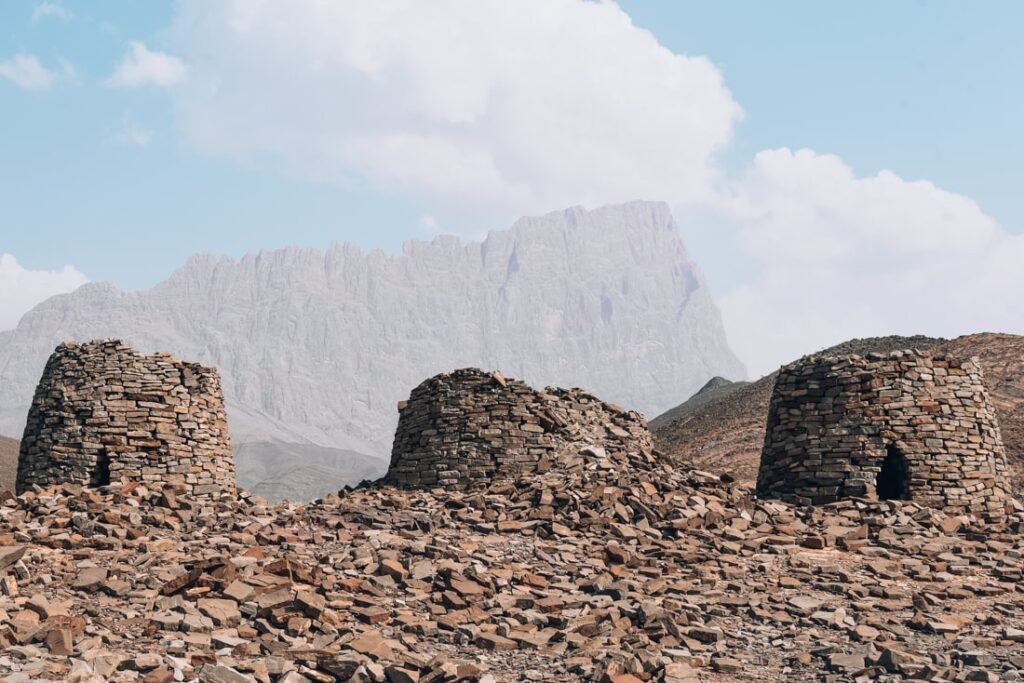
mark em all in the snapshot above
pixel 606 567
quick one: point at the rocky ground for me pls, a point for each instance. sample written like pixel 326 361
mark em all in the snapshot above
pixel 723 429
pixel 607 567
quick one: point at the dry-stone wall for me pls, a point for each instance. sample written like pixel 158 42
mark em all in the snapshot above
pixel 473 426
pixel 904 425
pixel 103 413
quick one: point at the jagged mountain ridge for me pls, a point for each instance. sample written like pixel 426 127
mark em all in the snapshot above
pixel 716 388
pixel 317 347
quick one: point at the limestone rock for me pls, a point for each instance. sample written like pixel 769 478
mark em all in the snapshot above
pixel 606 299
pixel 613 568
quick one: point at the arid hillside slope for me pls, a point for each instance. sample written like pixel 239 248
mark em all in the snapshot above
pixel 725 434
pixel 8 463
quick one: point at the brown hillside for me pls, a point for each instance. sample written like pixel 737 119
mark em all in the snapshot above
pixel 1002 358
pixel 725 434
pixel 8 463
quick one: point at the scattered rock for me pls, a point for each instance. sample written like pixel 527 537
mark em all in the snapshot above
pixel 618 567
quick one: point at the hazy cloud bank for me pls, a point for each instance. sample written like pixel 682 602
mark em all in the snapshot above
pixel 490 108
pixel 527 106
pixel 544 104
pixel 21 289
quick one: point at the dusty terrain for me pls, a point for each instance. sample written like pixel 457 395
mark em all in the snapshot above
pixel 610 566
pixel 725 433
pixel 618 569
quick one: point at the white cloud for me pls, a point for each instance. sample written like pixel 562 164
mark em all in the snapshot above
pixel 21 289
pixel 526 106
pixel 142 66
pixel 68 72
pixel 26 72
pixel 837 256
pixel 131 133
pixel 533 105
pixel 51 10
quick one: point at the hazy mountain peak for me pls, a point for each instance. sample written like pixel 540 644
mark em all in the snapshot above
pixel 316 347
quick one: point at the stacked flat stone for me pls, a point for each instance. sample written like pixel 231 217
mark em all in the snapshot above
pixel 473 426
pixel 103 413
pixel 832 420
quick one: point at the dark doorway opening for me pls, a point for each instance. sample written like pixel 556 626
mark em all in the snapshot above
pixel 101 472
pixel 893 481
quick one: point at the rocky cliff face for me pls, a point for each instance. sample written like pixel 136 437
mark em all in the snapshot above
pixel 316 348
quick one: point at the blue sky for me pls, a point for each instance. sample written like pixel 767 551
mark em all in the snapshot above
pixel 123 183
pixel 927 89
pixel 128 213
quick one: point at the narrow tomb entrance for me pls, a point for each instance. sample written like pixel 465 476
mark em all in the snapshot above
pixel 893 482
pixel 101 470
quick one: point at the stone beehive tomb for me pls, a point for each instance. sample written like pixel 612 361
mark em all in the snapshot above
pixel 473 426
pixel 104 414
pixel 905 426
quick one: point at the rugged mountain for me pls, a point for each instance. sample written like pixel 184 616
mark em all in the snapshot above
pixel 721 429
pixel 8 463
pixel 715 389
pixel 316 348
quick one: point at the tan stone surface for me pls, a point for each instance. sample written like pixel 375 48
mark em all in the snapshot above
pixel 620 568
pixel 8 463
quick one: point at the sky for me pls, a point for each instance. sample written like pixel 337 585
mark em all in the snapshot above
pixel 838 170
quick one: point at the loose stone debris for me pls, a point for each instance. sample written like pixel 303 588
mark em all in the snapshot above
pixel 586 556
pixel 609 566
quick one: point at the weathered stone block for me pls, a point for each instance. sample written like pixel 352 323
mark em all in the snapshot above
pixel 903 425
pixel 467 427
pixel 92 423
